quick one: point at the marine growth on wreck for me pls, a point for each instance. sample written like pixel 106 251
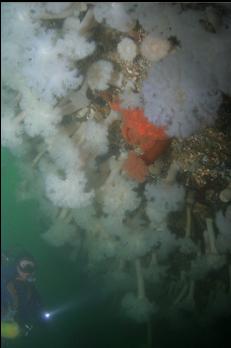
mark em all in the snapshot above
pixel 120 115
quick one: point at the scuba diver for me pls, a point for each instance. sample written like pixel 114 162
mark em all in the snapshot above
pixel 20 301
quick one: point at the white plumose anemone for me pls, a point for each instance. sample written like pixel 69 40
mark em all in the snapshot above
pixel 99 75
pixel 68 192
pixel 127 49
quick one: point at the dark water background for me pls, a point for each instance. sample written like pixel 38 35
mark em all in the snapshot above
pixel 88 317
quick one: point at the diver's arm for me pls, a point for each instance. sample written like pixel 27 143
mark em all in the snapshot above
pixel 36 305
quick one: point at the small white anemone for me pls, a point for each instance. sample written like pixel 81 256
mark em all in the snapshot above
pixel 155 48
pixel 127 49
pixel 99 75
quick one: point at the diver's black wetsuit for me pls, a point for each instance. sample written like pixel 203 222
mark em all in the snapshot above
pixel 19 299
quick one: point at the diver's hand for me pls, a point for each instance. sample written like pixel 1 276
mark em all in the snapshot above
pixel 26 330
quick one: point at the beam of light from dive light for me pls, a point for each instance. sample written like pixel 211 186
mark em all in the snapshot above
pixel 83 300
pixel 48 315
